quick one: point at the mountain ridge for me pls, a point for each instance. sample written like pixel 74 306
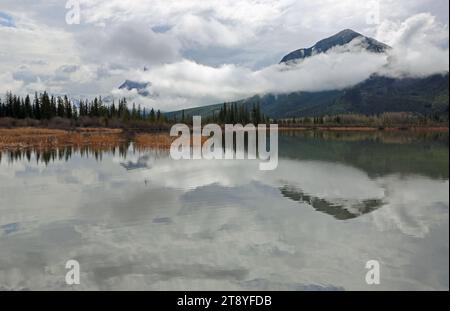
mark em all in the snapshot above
pixel 140 87
pixel 375 95
pixel 341 38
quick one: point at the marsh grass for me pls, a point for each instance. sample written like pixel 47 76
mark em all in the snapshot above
pixel 28 137
pixel 157 140
pixel 97 138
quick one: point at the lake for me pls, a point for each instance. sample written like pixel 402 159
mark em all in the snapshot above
pixel 135 219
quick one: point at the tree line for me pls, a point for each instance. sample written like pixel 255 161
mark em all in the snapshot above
pixel 230 113
pixel 378 120
pixel 45 107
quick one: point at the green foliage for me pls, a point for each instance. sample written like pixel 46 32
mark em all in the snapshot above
pixel 422 96
pixel 45 107
pixel 382 120
pixel 232 113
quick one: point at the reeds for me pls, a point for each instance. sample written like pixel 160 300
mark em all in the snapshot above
pixel 153 140
pixel 19 138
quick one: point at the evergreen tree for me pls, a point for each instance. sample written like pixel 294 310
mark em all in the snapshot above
pixel 152 115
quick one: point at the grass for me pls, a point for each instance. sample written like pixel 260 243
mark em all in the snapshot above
pixel 28 137
pixel 150 140
pixel 158 140
pixel 43 138
pixel 103 138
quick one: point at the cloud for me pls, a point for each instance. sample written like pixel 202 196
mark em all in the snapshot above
pixel 282 25
pixel 201 31
pixel 189 84
pixel 31 54
pixel 129 43
pixel 197 25
pixel 69 68
pixel 159 12
pixel 204 52
pixel 421 46
pixel 202 84
pixel 8 83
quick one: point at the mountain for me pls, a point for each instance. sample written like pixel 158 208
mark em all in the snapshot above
pixel 375 95
pixel 339 39
pixel 381 94
pixel 140 87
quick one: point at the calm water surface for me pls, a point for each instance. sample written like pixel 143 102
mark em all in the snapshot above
pixel 135 219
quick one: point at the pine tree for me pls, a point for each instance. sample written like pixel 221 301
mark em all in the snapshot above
pixel 28 108
pixel 158 115
pixel 152 115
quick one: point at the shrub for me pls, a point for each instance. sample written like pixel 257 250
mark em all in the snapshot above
pixel 59 123
pixel 7 122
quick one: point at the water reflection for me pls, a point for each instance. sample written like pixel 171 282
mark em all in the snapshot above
pixel 138 220
pixel 65 153
pixel 342 209
pixel 377 153
pixel 141 163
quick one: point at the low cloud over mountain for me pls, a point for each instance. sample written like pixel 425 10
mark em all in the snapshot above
pixel 198 52
pixel 420 49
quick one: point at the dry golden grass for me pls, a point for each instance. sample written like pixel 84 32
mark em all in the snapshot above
pixel 104 138
pixel 97 138
pixel 157 140
pixel 19 138
pixel 160 140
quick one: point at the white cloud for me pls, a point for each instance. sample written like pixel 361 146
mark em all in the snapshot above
pixel 204 52
pixel 131 44
pixel 250 12
pixel 200 84
pixel 194 30
pixel 189 84
pixel 31 54
pixel 421 46
pixel 8 83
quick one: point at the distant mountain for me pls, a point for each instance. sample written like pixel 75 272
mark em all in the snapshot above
pixel 381 94
pixel 375 95
pixel 339 39
pixel 274 106
pixel 140 87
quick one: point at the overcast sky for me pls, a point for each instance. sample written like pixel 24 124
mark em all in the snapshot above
pixel 204 52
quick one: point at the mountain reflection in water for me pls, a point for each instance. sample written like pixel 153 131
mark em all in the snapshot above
pixel 341 210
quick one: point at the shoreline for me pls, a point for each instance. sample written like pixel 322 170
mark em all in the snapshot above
pixel 101 138
pixel 347 128
pixel 44 138
pixel 96 138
